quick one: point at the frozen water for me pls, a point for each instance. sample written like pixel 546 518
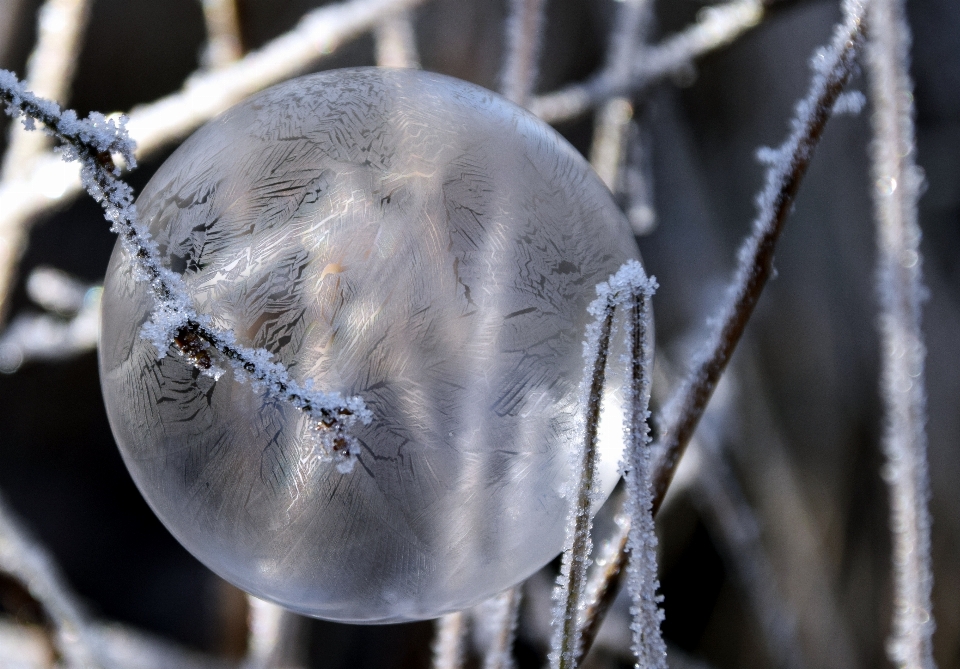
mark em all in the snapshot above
pixel 396 235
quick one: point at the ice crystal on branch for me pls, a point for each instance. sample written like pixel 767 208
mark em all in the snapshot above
pixel 93 142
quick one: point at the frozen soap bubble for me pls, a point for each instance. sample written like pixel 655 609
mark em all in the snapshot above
pixel 405 237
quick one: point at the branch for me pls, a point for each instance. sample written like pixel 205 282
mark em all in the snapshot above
pixel 92 142
pixel 395 41
pixel 224 42
pixel 524 39
pixel 24 558
pixel 448 644
pixel 900 287
pixel 755 265
pixel 629 286
pixel 717 27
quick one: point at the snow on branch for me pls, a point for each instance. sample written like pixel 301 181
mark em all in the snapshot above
pixel 631 288
pixel 787 166
pixel 174 322
pixel 897 182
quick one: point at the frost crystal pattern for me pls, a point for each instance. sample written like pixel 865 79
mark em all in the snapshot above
pixel 397 235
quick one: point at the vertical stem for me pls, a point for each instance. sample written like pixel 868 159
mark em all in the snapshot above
pixel 224 40
pixel 574 569
pixel 396 42
pixel 524 35
pixel 897 182
pixel 448 644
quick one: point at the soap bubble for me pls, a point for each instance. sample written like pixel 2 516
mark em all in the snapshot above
pixel 397 235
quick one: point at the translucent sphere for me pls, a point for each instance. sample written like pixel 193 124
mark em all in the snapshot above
pixel 405 237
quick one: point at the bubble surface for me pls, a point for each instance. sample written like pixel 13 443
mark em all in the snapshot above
pixel 405 237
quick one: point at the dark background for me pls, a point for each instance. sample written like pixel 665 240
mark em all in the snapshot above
pixel 800 423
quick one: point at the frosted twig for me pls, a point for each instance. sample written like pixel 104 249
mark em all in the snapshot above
pixel 717 27
pixel 524 38
pixel 224 40
pixel 25 559
pixel 755 258
pixel 448 643
pixel 642 539
pixel 496 620
pixel 628 284
pixel 755 264
pixel 174 322
pixel 396 41
pixel 896 189
pixel 50 182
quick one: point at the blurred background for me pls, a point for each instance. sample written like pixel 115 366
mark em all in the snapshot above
pixel 775 547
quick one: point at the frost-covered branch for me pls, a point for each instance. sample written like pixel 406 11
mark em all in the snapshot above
pixel 897 181
pixel 833 68
pixel 25 559
pixel 50 181
pixel 174 322
pixel 717 27
pixel 449 641
pixel 628 287
pixel 787 166
pixel 524 39
pixel 395 41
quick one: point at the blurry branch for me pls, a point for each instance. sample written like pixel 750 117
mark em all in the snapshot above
pixel 60 26
pixel 51 182
pixel 721 502
pixel 71 330
pixel 449 641
pixel 613 121
pixel 495 622
pixel 395 41
pixel 788 165
pixel 524 38
pixel 717 27
pixel 896 190
pixel 23 558
pixel 274 637
pixel 224 41
pixel 23 647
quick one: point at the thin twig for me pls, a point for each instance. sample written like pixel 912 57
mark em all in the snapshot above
pixel 788 166
pixel 448 643
pixel 25 559
pixel 396 41
pixel 524 38
pixel 495 621
pixel 717 27
pixel 224 40
pixel 272 642
pixel 754 267
pixel 630 283
pixel 51 182
pixel 896 189
pixel 173 322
